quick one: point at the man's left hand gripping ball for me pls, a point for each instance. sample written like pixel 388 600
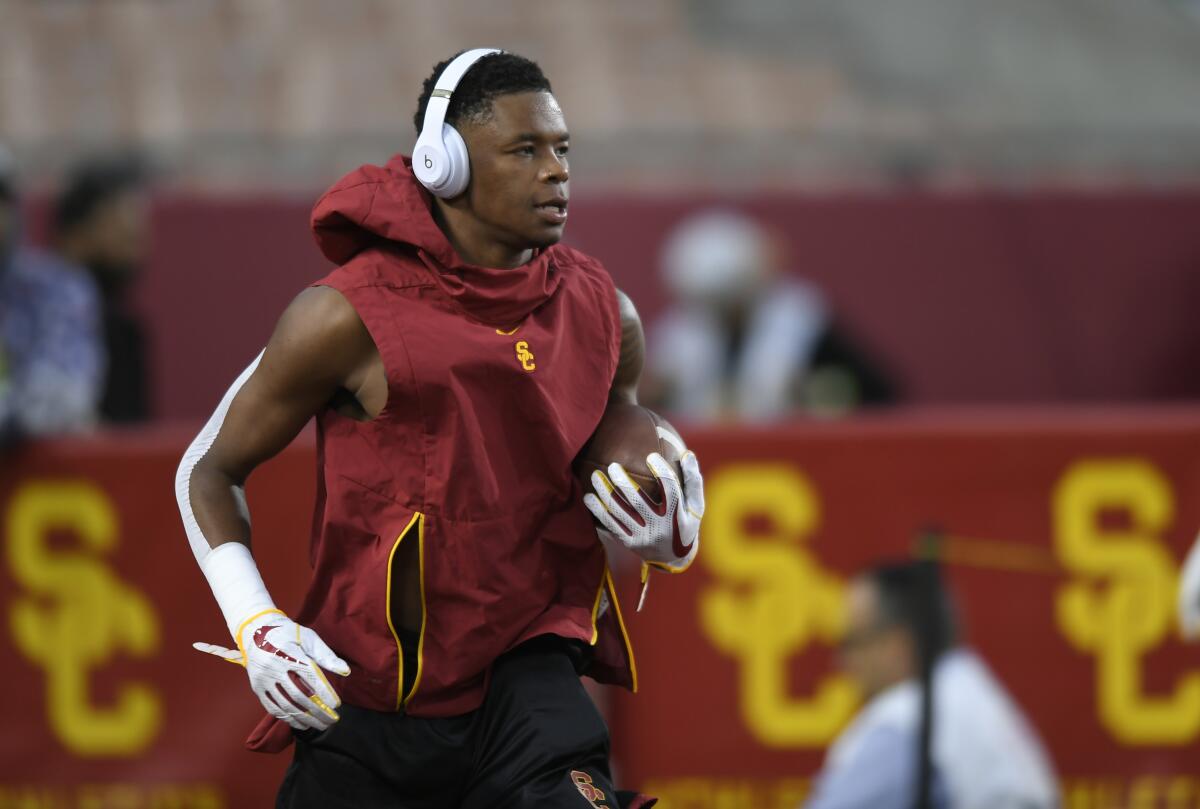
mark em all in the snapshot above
pixel 284 662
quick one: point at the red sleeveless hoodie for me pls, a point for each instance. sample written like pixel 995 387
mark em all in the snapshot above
pixel 496 379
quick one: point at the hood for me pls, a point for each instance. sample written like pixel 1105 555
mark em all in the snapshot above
pixel 373 206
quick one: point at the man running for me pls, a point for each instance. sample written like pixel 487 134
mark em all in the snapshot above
pixel 456 361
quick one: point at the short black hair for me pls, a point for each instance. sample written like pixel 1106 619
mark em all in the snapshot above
pixel 908 591
pixel 93 183
pixel 497 74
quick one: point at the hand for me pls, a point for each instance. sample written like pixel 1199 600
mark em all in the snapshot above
pixel 284 661
pixel 666 535
pixel 1189 594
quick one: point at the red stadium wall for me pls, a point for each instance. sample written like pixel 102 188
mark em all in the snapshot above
pixel 1066 528
pixel 981 297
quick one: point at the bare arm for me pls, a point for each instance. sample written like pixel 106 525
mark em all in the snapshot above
pixel 319 346
pixel 633 353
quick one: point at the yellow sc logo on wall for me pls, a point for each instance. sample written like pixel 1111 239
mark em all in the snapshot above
pixel 771 598
pixel 1120 603
pixel 73 615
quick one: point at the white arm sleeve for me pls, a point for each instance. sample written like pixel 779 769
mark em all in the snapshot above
pixel 228 566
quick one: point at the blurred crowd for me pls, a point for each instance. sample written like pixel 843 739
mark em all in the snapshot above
pixel 72 349
pixel 743 338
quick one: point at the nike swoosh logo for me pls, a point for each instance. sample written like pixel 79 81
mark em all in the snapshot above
pixel 260 640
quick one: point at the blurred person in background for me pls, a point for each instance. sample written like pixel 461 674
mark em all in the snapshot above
pixel 52 357
pixel 743 338
pixel 101 223
pixel 984 753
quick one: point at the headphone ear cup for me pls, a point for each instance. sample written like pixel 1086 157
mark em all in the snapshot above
pixel 458 162
pixel 430 164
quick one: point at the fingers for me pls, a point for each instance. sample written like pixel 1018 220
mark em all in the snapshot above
pixel 661 469
pixel 280 707
pixel 317 695
pixel 286 675
pixel 320 693
pixel 290 701
pixel 621 511
pixel 228 655
pixel 640 506
pixel 300 693
pixel 271 706
pixel 693 484
pixel 673 494
pixel 618 477
pixel 287 695
pixel 321 654
pixel 603 516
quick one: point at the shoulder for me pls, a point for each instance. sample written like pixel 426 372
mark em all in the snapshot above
pixel 319 319
pixel 868 766
pixel 897 708
pixel 48 276
pixel 319 339
pixel 964 679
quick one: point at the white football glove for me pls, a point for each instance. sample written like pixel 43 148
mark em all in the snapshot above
pixel 284 662
pixel 1189 594
pixel 666 535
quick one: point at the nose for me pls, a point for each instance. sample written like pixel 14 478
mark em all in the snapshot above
pixel 555 170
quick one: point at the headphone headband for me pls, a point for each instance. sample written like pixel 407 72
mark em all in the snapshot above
pixel 443 89
pixel 440 160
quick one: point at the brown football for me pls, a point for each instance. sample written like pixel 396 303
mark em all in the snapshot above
pixel 627 433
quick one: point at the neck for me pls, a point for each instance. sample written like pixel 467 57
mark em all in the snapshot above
pixel 474 241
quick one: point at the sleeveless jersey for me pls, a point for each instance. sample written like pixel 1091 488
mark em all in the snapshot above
pixel 495 380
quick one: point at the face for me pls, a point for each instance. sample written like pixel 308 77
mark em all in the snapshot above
pixel 875 653
pixel 115 238
pixel 518 190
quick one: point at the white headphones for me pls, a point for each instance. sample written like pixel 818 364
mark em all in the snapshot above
pixel 439 159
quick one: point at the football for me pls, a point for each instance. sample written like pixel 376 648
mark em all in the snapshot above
pixel 627 433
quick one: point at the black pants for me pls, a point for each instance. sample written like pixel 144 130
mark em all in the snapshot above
pixel 537 741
